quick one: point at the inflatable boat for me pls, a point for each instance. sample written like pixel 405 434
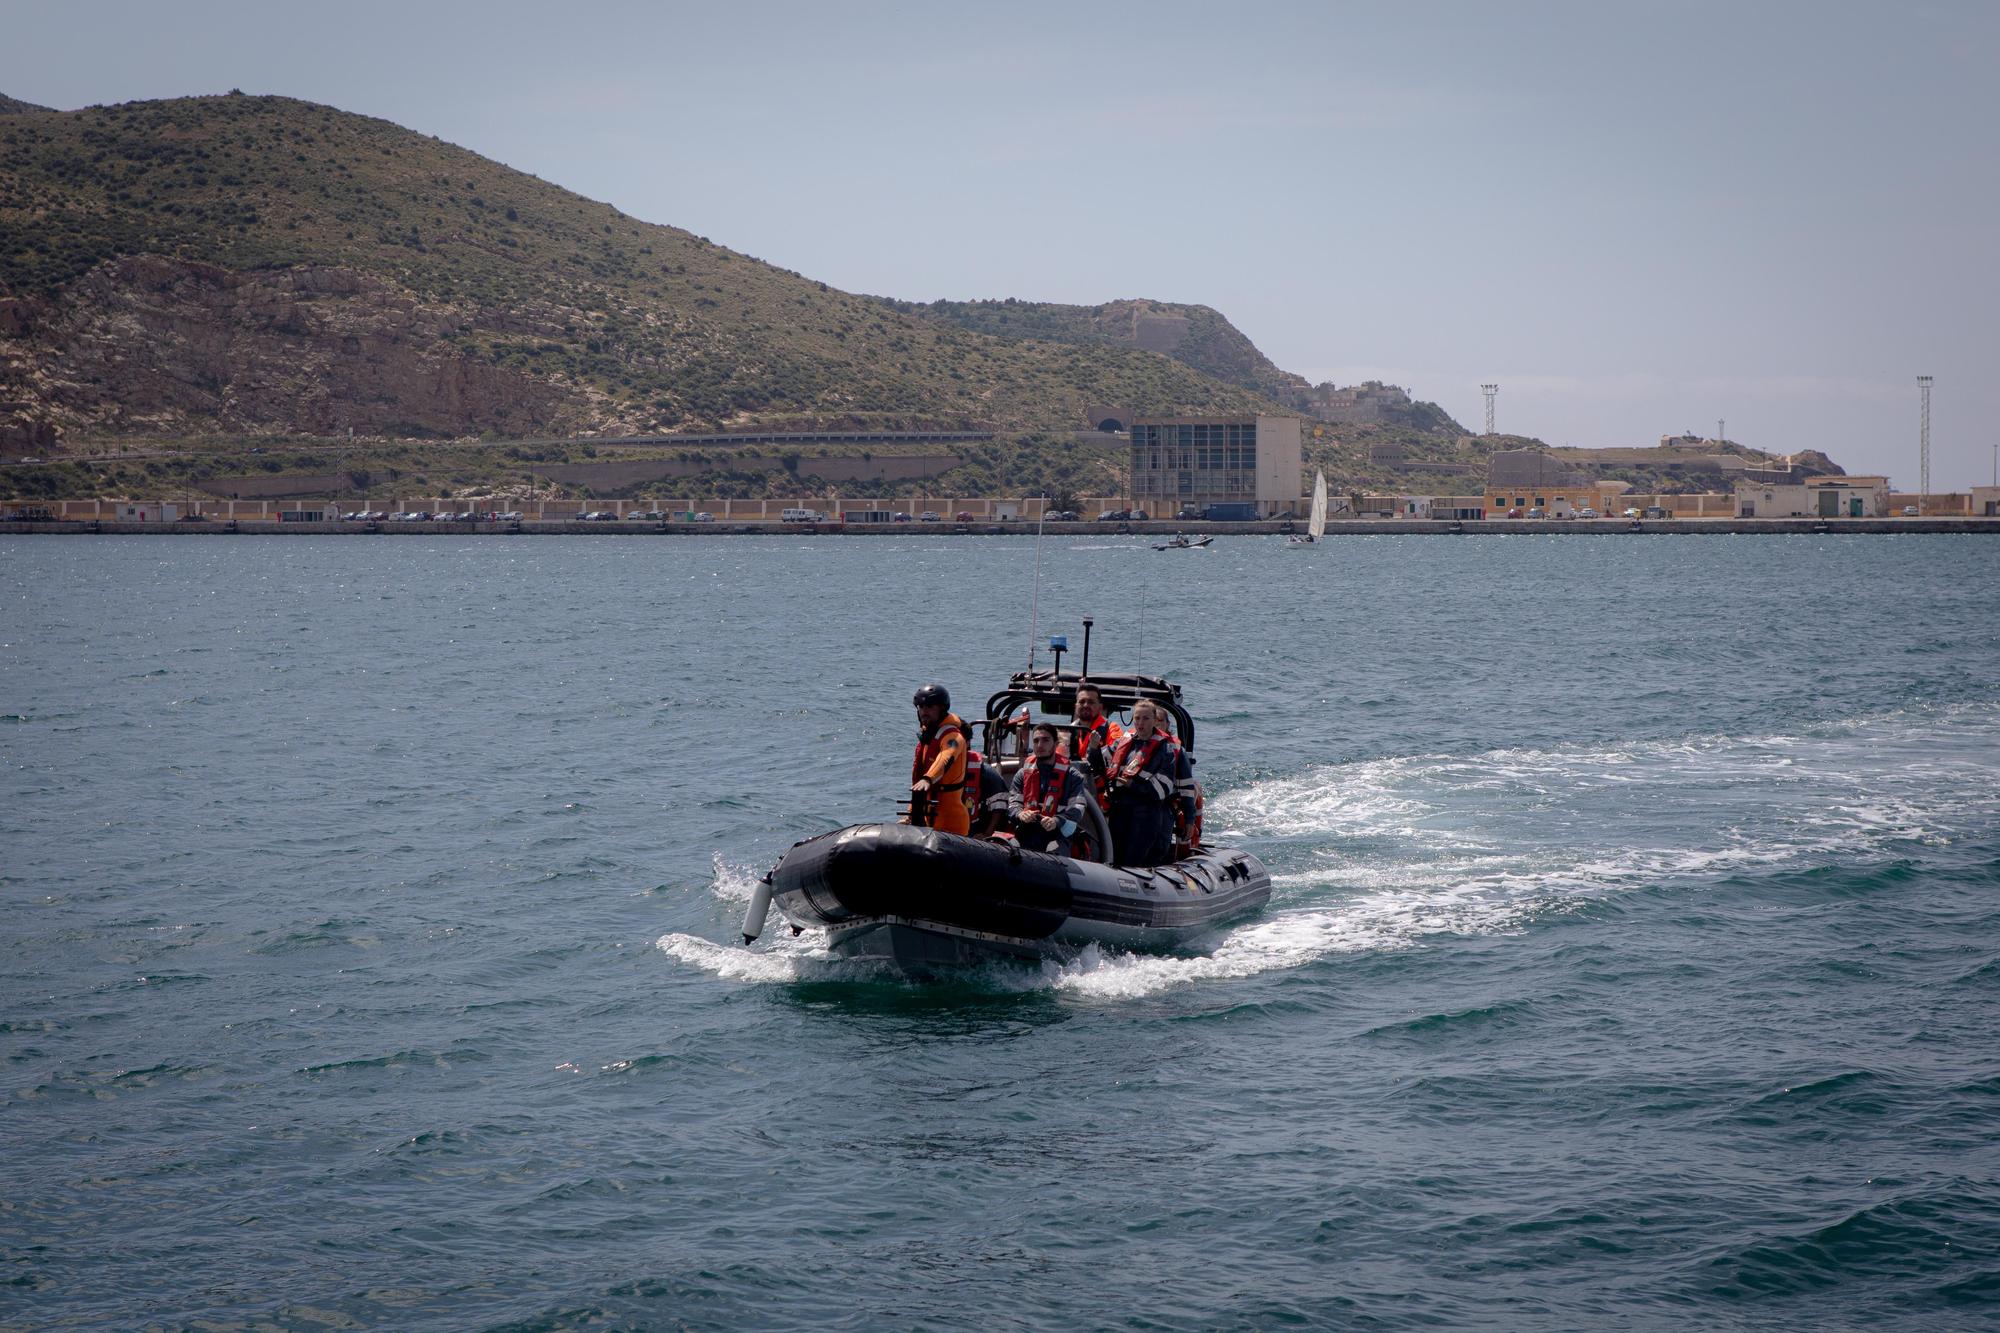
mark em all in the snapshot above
pixel 920 898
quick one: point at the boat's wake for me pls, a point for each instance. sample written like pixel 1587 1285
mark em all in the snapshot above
pixel 1381 855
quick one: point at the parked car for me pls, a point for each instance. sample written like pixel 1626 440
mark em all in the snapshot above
pixel 899 517
pixel 1588 512
pixel 1657 511
pixel 1630 513
pixel 701 518
pixel 1192 511
pixel 647 515
pixel 1139 516
pixel 1111 516
pixel 1062 516
pixel 1537 513
pixel 965 516
pixel 929 516
pixel 1513 513
pixel 1909 511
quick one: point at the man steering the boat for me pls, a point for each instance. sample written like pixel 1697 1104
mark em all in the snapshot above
pixel 1145 782
pixel 937 773
pixel 1046 804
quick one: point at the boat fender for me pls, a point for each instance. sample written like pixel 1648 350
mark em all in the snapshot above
pixel 760 907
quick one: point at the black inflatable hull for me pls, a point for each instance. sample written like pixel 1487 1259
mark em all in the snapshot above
pixel 922 898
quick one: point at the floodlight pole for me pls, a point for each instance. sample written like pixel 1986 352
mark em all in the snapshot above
pixel 1923 441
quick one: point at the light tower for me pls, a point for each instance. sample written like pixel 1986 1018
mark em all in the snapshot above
pixel 1923 441
pixel 1489 390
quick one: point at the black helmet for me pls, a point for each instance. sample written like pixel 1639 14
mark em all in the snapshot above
pixel 932 694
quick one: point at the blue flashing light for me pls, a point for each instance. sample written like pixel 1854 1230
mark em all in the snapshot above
pixel 1058 641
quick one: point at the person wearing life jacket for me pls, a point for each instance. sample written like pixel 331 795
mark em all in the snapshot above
pixel 937 772
pixel 1145 777
pixel 986 792
pixel 1092 739
pixel 1047 801
pixel 1188 802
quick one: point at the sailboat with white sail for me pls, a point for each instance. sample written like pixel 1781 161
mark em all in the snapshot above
pixel 1316 523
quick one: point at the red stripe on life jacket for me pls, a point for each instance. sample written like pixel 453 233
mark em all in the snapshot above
pixel 1032 795
pixel 1145 760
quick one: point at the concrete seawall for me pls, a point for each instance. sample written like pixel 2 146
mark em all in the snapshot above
pixel 1155 531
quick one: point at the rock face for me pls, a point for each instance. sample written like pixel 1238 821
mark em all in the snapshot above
pixel 167 346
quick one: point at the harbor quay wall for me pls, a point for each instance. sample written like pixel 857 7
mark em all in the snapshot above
pixel 1155 530
pixel 1981 502
pixel 270 508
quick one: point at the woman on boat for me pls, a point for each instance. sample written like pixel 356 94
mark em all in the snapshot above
pixel 1145 773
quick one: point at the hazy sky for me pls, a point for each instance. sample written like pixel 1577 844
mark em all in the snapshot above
pixel 1637 218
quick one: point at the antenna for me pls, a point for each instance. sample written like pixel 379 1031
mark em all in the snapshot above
pixel 1035 605
pixel 1923 440
pixel 1719 436
pixel 1490 390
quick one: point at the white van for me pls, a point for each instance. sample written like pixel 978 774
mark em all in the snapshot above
pixel 800 516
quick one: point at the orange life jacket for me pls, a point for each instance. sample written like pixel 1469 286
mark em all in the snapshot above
pixel 1033 797
pixel 1120 756
pixel 1186 832
pixel 1105 732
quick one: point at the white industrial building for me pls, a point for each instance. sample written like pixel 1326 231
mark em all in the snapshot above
pixel 1823 497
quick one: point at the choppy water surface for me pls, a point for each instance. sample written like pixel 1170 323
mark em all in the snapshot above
pixel 1633 962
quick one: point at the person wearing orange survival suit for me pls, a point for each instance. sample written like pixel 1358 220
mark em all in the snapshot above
pixel 1093 738
pixel 937 773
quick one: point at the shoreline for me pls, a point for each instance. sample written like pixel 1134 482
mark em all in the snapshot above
pixel 1150 531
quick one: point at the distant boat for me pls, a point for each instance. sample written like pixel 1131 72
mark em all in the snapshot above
pixel 1180 541
pixel 1316 524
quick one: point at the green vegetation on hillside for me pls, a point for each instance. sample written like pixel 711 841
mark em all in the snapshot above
pixel 1211 344
pixel 647 326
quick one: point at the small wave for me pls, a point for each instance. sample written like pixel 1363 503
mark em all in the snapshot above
pixel 400 1060
pixel 1919 1236
pixel 1986 974
pixel 1504 1014
pixel 1839 1088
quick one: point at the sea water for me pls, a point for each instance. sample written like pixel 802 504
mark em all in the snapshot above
pixel 371 907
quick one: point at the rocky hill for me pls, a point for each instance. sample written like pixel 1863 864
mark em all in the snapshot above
pixel 245 264
pixel 1194 335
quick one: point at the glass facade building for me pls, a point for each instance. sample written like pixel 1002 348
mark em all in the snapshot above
pixel 1201 461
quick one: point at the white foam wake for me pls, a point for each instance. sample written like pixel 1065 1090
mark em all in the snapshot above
pixel 1384 854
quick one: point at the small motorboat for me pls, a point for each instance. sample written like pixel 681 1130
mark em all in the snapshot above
pixel 1180 541
pixel 920 899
